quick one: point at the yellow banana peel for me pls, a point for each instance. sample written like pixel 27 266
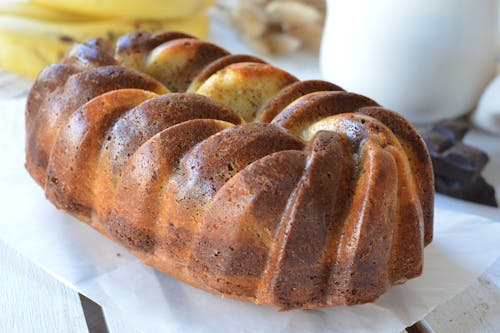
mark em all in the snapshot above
pixel 143 9
pixel 32 36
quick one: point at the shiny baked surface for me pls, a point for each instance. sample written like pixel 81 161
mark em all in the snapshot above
pixel 231 174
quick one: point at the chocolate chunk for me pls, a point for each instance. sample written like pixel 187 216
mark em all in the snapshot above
pixel 457 166
pixel 453 129
pixel 477 190
pixel 467 158
pixel 459 162
pixel 436 142
pixel 454 160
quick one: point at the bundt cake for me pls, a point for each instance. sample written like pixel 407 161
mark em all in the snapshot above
pixel 231 174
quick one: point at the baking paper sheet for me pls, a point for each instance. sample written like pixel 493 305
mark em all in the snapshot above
pixel 464 246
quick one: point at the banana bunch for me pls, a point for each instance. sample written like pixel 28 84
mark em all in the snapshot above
pixel 36 33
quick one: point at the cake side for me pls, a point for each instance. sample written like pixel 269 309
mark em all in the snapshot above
pixel 330 204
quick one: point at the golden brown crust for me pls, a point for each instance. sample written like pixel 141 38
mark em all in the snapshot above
pixel 177 62
pixel 330 204
pixel 405 218
pixel 94 53
pixel 215 160
pixel 145 175
pixel 74 159
pixel 219 64
pixel 417 155
pixel 245 87
pixel 292 92
pixel 47 84
pixel 48 80
pixel 317 105
pixel 229 251
pixel 133 128
pixel 132 48
pixel 303 253
pixel 362 269
pixel 144 41
pixel 60 104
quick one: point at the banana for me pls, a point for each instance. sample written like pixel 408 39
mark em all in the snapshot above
pixel 39 12
pixel 143 9
pixel 29 44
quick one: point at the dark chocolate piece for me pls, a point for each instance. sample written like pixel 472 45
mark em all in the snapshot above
pixel 477 190
pixel 460 162
pixel 436 142
pixel 457 166
pixel 469 160
pixel 453 129
pixel 454 160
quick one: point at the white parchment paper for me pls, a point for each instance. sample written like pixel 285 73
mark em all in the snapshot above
pixel 464 246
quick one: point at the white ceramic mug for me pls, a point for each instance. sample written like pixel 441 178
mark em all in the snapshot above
pixel 426 59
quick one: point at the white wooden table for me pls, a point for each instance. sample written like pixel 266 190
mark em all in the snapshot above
pixel 31 300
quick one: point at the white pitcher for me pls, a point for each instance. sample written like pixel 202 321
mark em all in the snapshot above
pixel 426 59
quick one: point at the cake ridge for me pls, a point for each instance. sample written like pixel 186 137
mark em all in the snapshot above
pixel 357 226
pixel 78 89
pixel 260 185
pixel 157 146
pixel 256 84
pixel 138 124
pixel 309 205
pixel 416 152
pixel 219 64
pixel 79 143
pixel 176 62
pixel 292 92
pixel 251 184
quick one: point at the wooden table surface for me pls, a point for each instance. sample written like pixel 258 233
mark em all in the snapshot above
pixel 31 300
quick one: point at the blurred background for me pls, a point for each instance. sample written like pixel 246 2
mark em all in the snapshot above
pixel 427 59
